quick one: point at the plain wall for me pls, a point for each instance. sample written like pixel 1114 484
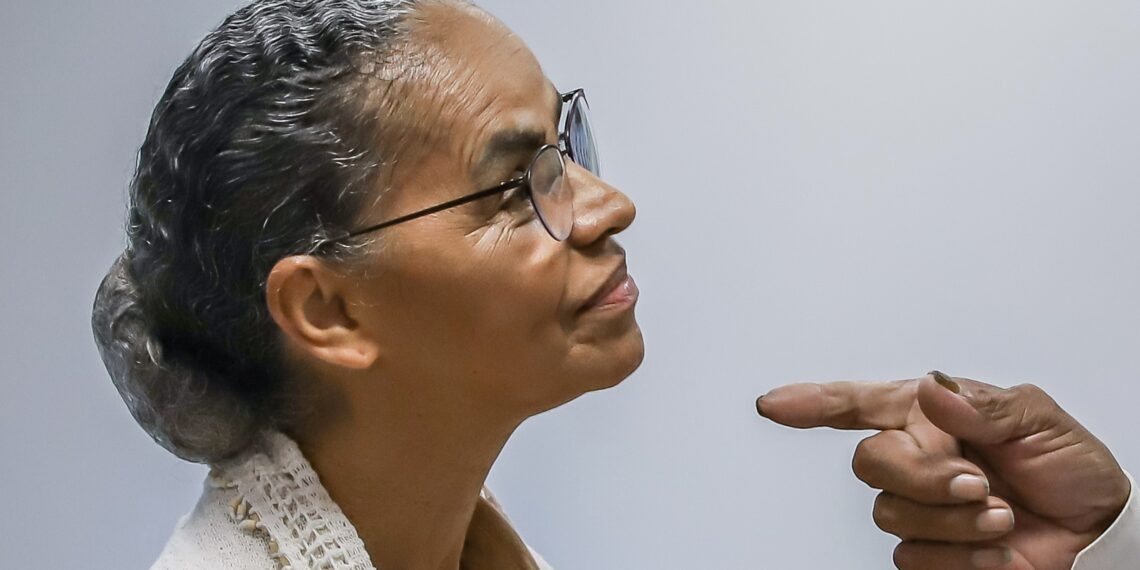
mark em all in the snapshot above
pixel 826 189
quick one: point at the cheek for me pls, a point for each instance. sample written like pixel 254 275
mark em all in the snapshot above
pixel 492 308
pixel 517 300
pixel 520 273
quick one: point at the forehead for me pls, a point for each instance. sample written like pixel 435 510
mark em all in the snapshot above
pixel 471 73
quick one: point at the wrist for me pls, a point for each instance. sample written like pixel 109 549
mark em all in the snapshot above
pixel 1119 493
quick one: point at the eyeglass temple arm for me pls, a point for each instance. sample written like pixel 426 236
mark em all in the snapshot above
pixel 505 186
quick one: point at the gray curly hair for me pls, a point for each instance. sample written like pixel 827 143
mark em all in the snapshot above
pixel 262 146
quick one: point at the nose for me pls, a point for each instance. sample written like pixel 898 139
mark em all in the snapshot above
pixel 600 210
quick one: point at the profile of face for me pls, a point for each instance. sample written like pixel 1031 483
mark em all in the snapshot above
pixel 476 303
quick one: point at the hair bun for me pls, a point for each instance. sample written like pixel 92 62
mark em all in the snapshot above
pixel 185 410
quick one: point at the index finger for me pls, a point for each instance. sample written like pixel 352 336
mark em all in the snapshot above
pixel 841 405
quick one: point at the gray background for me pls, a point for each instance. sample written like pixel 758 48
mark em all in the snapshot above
pixel 827 189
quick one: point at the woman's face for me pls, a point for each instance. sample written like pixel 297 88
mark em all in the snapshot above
pixel 480 298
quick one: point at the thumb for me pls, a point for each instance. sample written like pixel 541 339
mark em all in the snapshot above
pixel 982 414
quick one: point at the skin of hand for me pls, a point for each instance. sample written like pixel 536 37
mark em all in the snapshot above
pixel 972 475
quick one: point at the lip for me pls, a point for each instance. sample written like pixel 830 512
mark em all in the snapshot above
pixel 618 289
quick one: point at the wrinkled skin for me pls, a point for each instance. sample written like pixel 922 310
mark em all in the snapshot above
pixel 1061 484
pixel 421 361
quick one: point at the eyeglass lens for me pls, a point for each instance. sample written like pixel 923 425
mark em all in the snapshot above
pixel 580 144
pixel 552 195
pixel 553 199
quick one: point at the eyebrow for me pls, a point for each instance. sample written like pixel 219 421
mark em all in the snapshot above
pixel 510 143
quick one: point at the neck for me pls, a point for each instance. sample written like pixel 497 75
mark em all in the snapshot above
pixel 407 471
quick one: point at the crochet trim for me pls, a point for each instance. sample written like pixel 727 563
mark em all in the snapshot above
pixel 280 495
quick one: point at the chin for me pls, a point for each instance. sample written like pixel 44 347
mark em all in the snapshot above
pixel 622 360
pixel 606 367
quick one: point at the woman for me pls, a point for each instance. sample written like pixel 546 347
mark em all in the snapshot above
pixel 367 240
pixel 281 279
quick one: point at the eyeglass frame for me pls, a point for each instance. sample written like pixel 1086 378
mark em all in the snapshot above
pixel 564 150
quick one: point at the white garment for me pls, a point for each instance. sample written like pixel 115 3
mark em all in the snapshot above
pixel 1119 547
pixel 267 510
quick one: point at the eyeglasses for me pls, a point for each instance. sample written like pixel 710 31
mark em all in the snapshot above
pixel 545 178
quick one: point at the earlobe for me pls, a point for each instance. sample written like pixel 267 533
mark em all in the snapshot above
pixel 358 356
pixel 307 302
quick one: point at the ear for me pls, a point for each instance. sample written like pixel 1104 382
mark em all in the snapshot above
pixel 308 301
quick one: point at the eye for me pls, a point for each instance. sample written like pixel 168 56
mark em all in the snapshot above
pixel 514 198
pixel 514 195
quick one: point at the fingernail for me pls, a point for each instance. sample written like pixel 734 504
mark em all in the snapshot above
pixel 969 488
pixel 945 381
pixel 992 558
pixel 758 409
pixel 995 520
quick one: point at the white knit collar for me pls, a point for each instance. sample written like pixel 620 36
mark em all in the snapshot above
pixel 280 495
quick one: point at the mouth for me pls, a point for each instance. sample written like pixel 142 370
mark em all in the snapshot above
pixel 618 291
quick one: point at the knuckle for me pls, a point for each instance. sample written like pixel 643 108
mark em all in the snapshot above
pixel 844 416
pixel 993 403
pixel 908 388
pixel 838 406
pixel 902 556
pixel 865 462
pixel 1035 396
pixel 935 474
pixel 882 520
pixel 885 514
pixel 1028 391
